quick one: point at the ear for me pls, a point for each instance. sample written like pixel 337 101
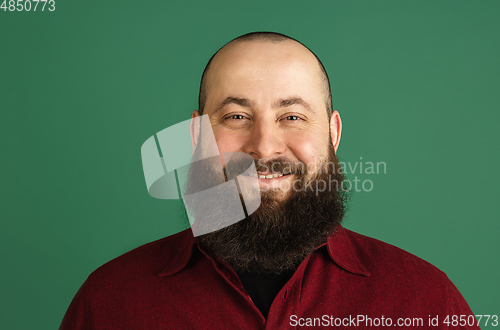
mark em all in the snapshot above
pixel 335 129
pixel 195 131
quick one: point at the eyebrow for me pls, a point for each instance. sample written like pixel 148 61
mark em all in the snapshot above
pixel 282 103
pixel 234 100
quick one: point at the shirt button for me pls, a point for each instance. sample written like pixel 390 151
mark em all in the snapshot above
pixel 285 295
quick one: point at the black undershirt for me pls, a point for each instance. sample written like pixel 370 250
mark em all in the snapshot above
pixel 263 288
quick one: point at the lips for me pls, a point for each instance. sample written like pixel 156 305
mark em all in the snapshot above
pixel 262 175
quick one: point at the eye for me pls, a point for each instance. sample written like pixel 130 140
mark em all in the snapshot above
pixel 291 118
pixel 237 120
pixel 236 117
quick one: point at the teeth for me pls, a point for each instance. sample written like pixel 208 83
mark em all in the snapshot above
pixel 270 176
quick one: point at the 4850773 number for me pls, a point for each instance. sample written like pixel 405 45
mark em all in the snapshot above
pixel 27 5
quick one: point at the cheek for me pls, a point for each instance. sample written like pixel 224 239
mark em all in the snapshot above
pixel 308 148
pixel 227 141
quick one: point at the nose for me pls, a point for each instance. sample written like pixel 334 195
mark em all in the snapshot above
pixel 266 140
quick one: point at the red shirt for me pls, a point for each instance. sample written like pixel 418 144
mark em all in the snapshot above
pixel 351 281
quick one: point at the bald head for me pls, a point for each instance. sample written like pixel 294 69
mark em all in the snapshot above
pixel 260 52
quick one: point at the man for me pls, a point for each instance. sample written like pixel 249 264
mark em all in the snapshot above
pixel 290 263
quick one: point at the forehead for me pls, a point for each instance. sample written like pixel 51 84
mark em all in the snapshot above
pixel 265 71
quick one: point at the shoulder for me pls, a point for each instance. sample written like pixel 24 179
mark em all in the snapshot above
pixel 375 254
pixel 144 261
pixel 395 268
pixel 116 288
pixel 394 272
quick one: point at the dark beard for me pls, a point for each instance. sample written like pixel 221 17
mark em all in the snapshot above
pixel 281 234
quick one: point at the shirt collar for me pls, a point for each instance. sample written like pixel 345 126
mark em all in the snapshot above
pixel 340 247
pixel 342 250
pixel 186 245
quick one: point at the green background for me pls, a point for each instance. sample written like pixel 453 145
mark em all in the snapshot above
pixel 81 88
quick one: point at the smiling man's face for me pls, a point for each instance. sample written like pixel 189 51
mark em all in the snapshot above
pixel 268 100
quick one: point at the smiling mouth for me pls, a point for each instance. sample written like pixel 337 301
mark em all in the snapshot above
pixel 268 176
